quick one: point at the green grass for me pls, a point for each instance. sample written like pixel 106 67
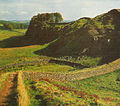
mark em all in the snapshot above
pixel 45 92
pixel 32 93
pixel 104 85
pixel 15 55
pixel 49 68
pixel 98 90
pixel 4 34
pixel 46 67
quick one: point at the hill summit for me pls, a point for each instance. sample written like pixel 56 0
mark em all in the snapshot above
pixel 40 28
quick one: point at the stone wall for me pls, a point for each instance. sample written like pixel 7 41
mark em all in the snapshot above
pixel 79 75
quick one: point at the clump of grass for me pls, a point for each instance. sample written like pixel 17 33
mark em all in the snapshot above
pixel 46 92
pixel 32 93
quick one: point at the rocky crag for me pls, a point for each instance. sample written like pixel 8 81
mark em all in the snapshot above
pixel 96 37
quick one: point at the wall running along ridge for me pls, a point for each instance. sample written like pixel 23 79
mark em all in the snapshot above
pixel 79 75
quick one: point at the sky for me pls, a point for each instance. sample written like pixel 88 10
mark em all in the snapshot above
pixel 70 9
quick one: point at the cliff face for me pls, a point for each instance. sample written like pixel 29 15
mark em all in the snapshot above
pixel 99 36
pixel 104 31
pixel 40 28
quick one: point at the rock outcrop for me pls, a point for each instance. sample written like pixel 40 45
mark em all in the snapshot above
pixel 99 36
pixel 96 37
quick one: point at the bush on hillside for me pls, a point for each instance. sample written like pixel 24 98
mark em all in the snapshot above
pixel 48 18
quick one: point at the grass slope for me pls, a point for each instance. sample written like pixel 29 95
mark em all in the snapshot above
pixel 106 86
pixel 98 90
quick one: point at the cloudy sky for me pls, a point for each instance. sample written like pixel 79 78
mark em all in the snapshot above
pixel 70 9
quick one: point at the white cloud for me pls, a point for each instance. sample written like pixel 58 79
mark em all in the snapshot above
pixel 57 1
pixel 22 12
pixel 4 12
pixel 71 9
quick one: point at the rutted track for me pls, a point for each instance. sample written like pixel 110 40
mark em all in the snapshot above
pixel 79 75
pixel 8 93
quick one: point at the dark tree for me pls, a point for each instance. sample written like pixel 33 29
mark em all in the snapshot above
pixel 8 26
pixel 11 26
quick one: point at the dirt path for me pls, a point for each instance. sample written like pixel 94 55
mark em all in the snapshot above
pixel 8 94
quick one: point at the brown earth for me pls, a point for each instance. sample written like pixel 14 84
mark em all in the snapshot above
pixel 8 93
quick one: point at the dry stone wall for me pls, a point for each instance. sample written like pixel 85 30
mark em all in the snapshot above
pixel 79 75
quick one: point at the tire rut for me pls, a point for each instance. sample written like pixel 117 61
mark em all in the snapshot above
pixel 8 93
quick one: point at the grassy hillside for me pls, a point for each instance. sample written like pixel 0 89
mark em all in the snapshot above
pixel 5 34
pixel 29 55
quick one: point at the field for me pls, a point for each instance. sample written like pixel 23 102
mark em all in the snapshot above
pixel 100 90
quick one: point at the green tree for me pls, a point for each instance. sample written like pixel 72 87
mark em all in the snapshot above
pixel 48 18
pixel 58 17
pixel 8 26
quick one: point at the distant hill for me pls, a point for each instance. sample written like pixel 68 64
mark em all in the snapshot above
pixel 3 21
pixel 13 24
pixel 21 21
pixel 96 37
pixel 15 21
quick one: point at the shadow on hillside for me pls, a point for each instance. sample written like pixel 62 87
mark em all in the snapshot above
pixel 18 41
pixel 46 52
pixel 105 58
pixel 108 59
pixel 21 41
